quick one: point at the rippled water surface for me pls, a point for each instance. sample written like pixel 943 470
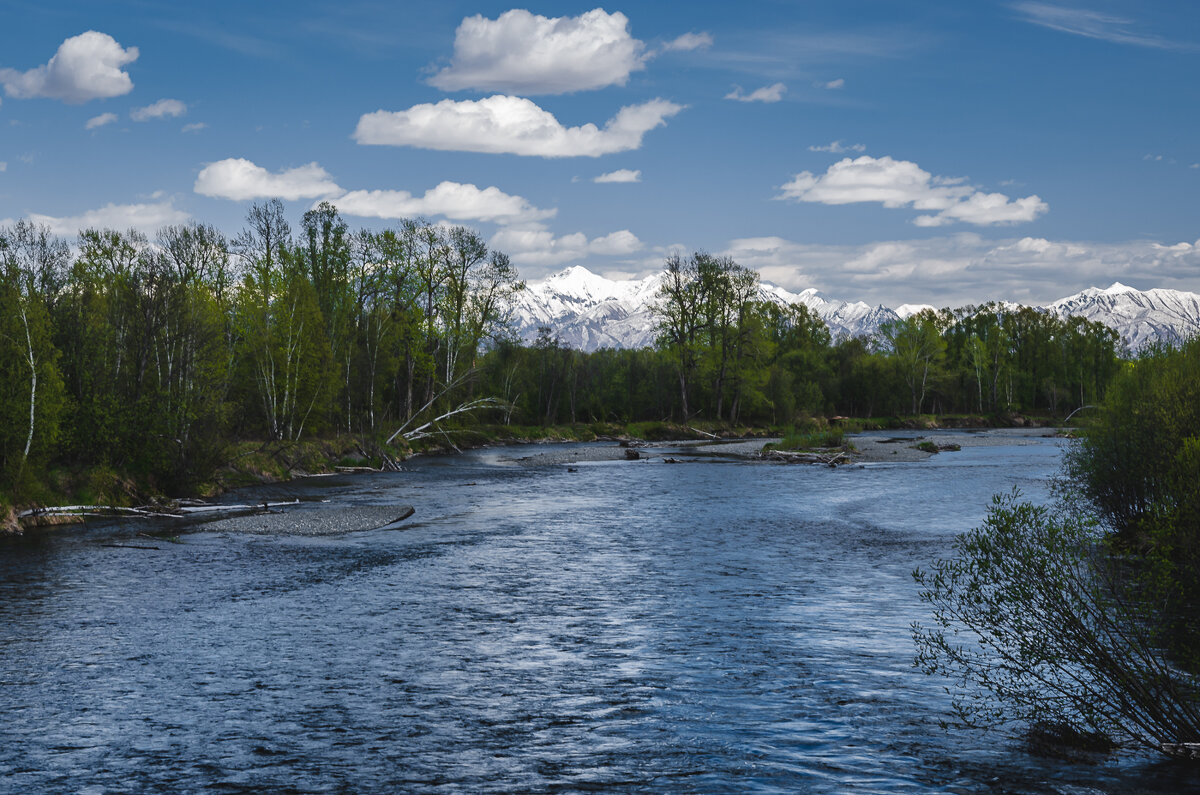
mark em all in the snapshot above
pixel 706 627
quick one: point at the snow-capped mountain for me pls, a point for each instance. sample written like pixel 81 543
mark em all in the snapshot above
pixel 587 311
pixel 1140 317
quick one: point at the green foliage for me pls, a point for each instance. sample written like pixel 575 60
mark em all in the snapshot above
pixel 152 357
pixel 1065 620
pixel 918 350
pixel 1035 621
pixel 813 439
pixel 1138 464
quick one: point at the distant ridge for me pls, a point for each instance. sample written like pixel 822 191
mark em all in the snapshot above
pixel 587 311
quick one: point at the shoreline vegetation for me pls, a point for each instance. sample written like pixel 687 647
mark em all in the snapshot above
pixel 100 492
pixel 135 368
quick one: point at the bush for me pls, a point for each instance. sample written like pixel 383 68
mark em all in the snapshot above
pixel 1035 620
pixel 808 440
pixel 1138 465
pixel 1139 461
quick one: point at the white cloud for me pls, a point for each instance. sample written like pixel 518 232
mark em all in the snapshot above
pixel 689 41
pixel 1092 25
pixel 239 179
pixel 147 218
pixel 620 175
pixel 86 67
pixel 514 125
pixel 983 209
pixel 615 244
pixel 453 200
pixel 835 84
pixel 965 268
pixel 3 166
pixel 100 121
pixel 838 148
pixel 902 183
pixel 194 127
pixel 164 108
pixel 534 245
pixel 771 93
pixel 524 53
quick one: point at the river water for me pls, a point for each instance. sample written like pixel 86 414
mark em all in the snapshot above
pixel 712 626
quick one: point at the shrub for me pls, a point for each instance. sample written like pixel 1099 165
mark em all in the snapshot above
pixel 1138 466
pixel 1036 621
pixel 807 440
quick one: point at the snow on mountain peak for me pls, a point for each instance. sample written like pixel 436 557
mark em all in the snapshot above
pixel 589 311
pixel 905 311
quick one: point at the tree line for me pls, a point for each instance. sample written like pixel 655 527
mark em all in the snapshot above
pixel 1078 621
pixel 150 355
pixel 725 354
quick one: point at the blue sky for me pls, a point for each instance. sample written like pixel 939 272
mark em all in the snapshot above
pixel 939 152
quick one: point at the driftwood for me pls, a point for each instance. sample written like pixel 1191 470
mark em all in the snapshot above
pixel 790 457
pixel 60 514
pixel 1182 750
pixel 705 433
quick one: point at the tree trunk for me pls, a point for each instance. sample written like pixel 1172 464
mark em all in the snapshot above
pixel 32 384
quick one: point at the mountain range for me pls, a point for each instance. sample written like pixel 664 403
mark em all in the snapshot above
pixel 587 311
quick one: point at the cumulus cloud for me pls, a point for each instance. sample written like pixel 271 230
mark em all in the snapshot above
pixel 147 218
pixel 838 148
pixel 835 84
pixel 965 268
pixel 512 125
pixel 689 41
pixel 525 53
pixel 902 183
pixel 194 127
pixel 239 179
pixel 771 93
pixel 100 121
pixel 984 209
pixel 86 67
pixel 535 245
pixel 620 175
pixel 164 108
pixel 3 166
pixel 453 200
pixel 615 244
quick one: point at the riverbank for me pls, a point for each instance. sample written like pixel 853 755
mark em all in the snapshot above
pixel 255 462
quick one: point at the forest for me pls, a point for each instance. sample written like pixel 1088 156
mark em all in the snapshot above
pixel 153 357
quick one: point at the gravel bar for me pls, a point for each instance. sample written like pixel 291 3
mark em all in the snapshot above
pixel 311 522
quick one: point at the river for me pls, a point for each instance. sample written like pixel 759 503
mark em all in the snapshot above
pixel 711 626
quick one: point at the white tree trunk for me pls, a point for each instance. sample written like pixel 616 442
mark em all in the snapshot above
pixel 32 382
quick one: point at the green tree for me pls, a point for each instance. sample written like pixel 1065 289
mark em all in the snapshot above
pixel 917 347
pixel 31 390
